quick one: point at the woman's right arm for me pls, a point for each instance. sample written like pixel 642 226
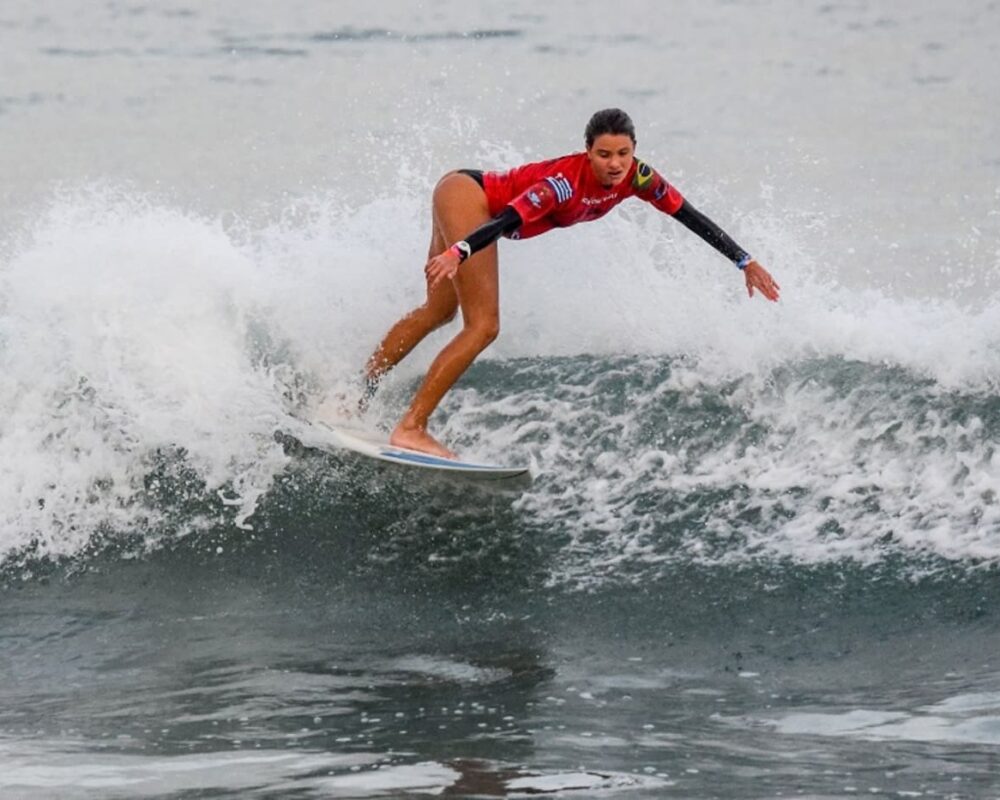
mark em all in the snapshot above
pixel 445 265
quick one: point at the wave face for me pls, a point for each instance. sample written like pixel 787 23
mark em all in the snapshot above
pixel 759 557
pixel 150 355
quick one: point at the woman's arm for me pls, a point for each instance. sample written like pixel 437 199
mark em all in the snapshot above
pixel 504 223
pixel 654 189
pixel 696 222
pixel 445 265
pixel 756 276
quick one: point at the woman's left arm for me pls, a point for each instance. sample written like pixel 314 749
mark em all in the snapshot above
pixel 755 275
pixel 652 187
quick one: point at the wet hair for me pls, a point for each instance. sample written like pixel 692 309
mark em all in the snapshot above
pixel 609 120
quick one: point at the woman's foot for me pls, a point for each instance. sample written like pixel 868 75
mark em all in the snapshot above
pixel 419 439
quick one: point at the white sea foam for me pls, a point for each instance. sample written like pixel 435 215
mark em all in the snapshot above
pixel 125 330
pixel 961 719
pixel 809 471
pixel 62 769
pixel 129 327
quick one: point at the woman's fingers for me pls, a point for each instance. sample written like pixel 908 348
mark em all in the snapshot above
pixel 767 289
pixel 438 269
pixel 759 278
pixel 441 267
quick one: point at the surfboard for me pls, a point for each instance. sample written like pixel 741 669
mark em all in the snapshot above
pixel 373 446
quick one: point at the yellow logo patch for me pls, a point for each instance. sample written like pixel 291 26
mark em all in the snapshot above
pixel 643 176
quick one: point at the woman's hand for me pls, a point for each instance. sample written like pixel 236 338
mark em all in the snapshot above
pixel 442 266
pixel 760 279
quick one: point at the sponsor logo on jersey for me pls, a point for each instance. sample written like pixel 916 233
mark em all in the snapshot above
pixel 643 176
pixel 534 199
pixel 660 190
pixel 562 188
pixel 596 201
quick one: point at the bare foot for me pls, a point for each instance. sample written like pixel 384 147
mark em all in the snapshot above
pixel 419 439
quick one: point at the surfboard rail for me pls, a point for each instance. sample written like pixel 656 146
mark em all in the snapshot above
pixel 366 444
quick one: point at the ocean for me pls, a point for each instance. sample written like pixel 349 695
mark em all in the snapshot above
pixel 760 556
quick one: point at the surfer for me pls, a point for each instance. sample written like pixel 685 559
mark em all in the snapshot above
pixel 472 209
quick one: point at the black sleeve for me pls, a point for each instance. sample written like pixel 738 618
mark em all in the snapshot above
pixel 692 219
pixel 507 221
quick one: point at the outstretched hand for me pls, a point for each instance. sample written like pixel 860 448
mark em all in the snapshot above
pixel 442 266
pixel 760 279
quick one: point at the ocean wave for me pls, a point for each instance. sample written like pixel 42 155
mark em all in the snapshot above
pixel 151 355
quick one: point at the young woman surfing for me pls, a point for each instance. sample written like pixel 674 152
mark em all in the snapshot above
pixel 472 209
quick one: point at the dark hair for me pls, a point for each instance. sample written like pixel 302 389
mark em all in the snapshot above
pixel 608 120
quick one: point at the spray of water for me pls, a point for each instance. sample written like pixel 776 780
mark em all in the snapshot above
pixel 145 347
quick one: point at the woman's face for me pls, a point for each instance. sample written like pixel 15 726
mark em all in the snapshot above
pixel 611 157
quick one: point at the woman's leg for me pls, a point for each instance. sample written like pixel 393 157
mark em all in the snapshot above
pixel 460 207
pixel 438 309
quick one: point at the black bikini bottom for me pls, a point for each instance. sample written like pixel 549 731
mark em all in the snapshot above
pixel 475 174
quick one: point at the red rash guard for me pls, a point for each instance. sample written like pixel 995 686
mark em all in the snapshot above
pixel 564 191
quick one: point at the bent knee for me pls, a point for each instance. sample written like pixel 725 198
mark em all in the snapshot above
pixel 434 317
pixel 485 331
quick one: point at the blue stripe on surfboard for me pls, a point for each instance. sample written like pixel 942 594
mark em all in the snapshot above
pixel 418 458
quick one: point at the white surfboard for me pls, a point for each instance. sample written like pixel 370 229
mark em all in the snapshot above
pixel 372 446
